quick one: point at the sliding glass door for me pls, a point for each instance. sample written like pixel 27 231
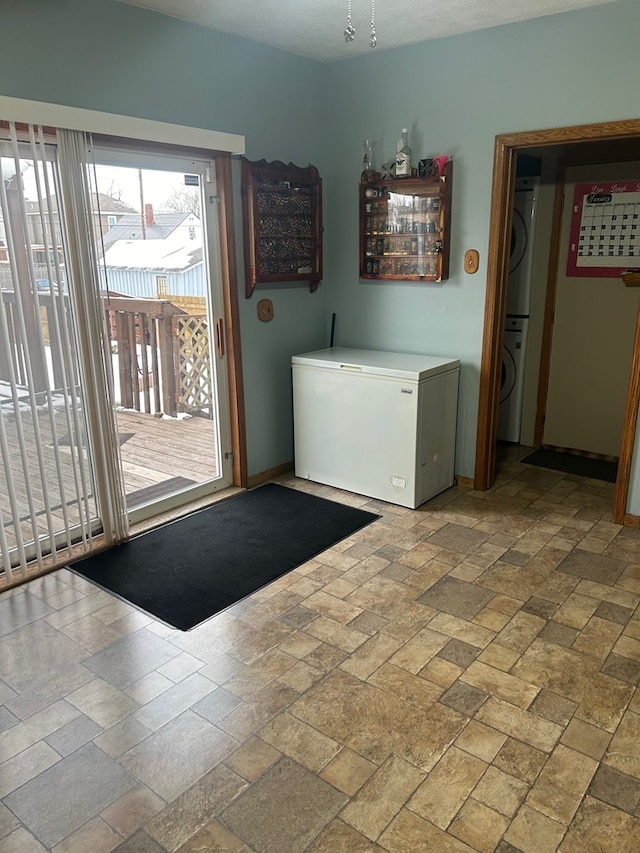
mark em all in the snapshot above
pixel 159 264
pixel 113 389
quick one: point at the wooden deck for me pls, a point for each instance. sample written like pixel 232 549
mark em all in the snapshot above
pixel 160 450
pixel 159 456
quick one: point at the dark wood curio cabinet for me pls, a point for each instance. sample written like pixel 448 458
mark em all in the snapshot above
pixel 405 227
pixel 282 218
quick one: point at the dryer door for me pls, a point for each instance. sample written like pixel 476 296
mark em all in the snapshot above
pixel 509 375
pixel 519 240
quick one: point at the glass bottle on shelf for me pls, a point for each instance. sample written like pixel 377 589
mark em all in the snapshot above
pixel 368 169
pixel 403 156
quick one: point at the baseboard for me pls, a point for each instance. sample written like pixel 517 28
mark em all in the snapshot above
pixel 631 520
pixel 269 474
pixel 464 482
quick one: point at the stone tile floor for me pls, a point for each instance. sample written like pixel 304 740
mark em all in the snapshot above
pixel 457 678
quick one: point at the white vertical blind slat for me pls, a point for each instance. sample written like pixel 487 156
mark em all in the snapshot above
pixel 91 335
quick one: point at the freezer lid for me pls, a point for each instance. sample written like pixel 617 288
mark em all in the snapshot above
pixel 399 365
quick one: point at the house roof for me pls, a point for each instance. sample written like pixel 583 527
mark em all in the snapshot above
pixel 152 255
pixel 129 227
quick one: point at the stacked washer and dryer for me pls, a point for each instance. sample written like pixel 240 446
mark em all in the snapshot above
pixel 518 306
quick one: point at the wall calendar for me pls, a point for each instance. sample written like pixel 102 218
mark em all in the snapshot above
pixel 604 239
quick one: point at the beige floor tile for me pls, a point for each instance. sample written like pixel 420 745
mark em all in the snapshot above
pixel 520 631
pixel 371 655
pixel 336 634
pixel 447 786
pixel 21 841
pixel 491 619
pixel 25 766
pixel 409 832
pixel 521 760
pixel 499 656
pixel 258 674
pixel 300 741
pixel 419 650
pixel 52 718
pixel 300 676
pixel 479 826
pixel 252 758
pixel 441 672
pixel 194 808
pixel 339 837
pixel 598 638
pixel 500 684
pixel 586 738
pixel 562 783
pixel 252 715
pixel 102 702
pixel 480 740
pixel 214 838
pixel 628 647
pixel 523 725
pixel 382 796
pixel 413 689
pixel 96 836
pixel 460 629
pixel 532 832
pixel 120 738
pixel 132 810
pixel 348 771
pixel 501 791
pixel 600 828
pixel 624 749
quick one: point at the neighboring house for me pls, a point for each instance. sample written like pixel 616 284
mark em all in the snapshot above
pixel 162 259
pixel 43 228
pixel 153 269
pixel 106 213
pixel 179 228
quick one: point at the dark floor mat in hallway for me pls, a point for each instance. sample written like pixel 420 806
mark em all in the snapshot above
pixel 572 463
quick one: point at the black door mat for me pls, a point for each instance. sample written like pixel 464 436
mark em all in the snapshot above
pixel 573 463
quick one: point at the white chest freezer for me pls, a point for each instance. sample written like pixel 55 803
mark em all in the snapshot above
pixel 381 424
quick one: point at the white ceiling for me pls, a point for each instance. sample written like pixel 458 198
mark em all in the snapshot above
pixel 314 28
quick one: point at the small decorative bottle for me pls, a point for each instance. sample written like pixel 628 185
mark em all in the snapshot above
pixel 403 156
pixel 368 168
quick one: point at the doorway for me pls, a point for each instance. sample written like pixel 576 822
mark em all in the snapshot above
pixel 160 269
pixel 589 142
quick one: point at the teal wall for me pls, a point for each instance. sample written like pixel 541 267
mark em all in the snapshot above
pixel 109 56
pixel 453 94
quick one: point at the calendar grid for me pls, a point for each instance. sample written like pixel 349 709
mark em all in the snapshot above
pixel 605 229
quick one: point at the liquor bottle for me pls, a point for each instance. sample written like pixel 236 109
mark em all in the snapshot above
pixel 403 156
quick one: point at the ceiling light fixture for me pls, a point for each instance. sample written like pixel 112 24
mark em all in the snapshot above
pixel 350 30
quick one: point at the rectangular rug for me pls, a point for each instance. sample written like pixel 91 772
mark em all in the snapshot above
pixel 573 463
pixel 186 571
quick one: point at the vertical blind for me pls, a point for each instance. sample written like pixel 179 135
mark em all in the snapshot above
pixel 60 481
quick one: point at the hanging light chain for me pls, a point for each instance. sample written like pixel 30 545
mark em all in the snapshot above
pixel 373 41
pixel 350 30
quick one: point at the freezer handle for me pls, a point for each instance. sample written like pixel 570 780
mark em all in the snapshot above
pixel 351 367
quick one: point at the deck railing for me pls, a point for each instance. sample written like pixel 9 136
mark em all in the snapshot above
pixel 141 335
